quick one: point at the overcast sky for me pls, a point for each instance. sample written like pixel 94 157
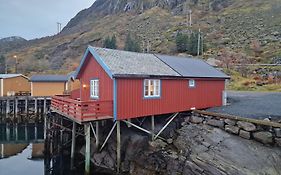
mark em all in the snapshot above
pixel 37 18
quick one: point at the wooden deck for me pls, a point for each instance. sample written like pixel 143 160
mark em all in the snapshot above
pixel 82 111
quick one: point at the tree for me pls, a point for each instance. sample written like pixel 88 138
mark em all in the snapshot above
pixel 189 43
pixel 110 42
pixel 131 44
pixel 2 64
pixel 182 42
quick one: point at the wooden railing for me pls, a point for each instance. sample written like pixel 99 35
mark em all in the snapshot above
pixel 82 110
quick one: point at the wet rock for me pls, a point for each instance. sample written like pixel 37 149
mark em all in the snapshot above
pixel 196 119
pixel 232 129
pixel 170 141
pixel 216 123
pixel 230 122
pixel 244 134
pixel 246 126
pixel 277 132
pixel 263 136
pixel 278 141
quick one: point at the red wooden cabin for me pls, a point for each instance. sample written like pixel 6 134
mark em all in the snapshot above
pixel 122 85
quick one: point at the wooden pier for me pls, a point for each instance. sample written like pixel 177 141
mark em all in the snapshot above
pixel 15 107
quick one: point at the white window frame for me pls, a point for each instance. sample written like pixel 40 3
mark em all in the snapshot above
pixel 191 83
pixel 153 87
pixel 94 88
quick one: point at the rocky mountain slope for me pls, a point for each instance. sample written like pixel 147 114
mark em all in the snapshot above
pixel 230 24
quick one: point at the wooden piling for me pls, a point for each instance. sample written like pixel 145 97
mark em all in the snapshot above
pixel 152 127
pixel 118 147
pixel 87 130
pixel 73 141
pixel 97 134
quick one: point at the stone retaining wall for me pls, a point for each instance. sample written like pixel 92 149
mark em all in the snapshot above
pixel 264 134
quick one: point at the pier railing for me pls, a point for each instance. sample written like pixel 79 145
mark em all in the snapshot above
pixel 82 110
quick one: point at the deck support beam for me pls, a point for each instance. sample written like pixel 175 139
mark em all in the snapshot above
pixel 118 147
pixel 73 141
pixel 87 130
pixel 108 136
pixel 165 126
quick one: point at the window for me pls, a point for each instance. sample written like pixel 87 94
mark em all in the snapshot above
pixel 191 83
pixel 94 88
pixel 151 88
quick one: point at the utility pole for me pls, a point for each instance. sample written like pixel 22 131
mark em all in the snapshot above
pixel 148 47
pixel 190 20
pixel 202 45
pixel 59 27
pixel 188 13
pixel 16 66
pixel 198 46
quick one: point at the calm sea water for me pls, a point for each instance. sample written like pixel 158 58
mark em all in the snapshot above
pixel 21 148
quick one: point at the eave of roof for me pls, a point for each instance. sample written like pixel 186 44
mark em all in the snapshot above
pixel 49 78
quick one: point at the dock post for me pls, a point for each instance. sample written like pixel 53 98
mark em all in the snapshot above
pixel 45 127
pixel 87 130
pixel 25 132
pixel 97 134
pixel 45 106
pixel 118 147
pixel 8 107
pixel 35 106
pixel 152 127
pixel 7 132
pixel 16 107
pixel 16 132
pixel 35 132
pixel 73 145
pixel 26 106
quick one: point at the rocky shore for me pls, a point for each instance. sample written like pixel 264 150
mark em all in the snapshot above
pixel 189 149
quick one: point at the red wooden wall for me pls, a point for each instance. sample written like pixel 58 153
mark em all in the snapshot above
pixel 175 96
pixel 92 70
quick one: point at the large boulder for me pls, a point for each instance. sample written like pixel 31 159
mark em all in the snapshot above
pixel 264 137
pixel 216 123
pixel 196 119
pixel 244 134
pixel 246 126
pixel 232 129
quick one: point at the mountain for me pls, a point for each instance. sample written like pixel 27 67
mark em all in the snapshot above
pixel 234 25
pixel 7 44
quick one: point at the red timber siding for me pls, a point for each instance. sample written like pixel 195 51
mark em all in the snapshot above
pixel 92 70
pixel 176 96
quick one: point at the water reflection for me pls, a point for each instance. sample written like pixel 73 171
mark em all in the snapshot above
pixel 21 148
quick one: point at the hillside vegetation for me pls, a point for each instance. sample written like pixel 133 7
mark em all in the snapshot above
pixel 248 27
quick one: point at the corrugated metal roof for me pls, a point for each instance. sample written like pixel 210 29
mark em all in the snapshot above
pixel 49 78
pixel 191 67
pixel 3 76
pixel 131 63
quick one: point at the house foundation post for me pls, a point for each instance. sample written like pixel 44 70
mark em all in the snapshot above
pixel 73 145
pixel 35 106
pixel 87 130
pixel 152 127
pixel 118 147
pixel 97 134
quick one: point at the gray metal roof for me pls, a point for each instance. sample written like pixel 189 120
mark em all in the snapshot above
pixel 3 76
pixel 49 78
pixel 131 63
pixel 192 67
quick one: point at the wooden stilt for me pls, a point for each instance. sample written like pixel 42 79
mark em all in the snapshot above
pixel 152 127
pixel 26 106
pixel 97 134
pixel 73 145
pixel 16 107
pixel 25 132
pixel 7 132
pixel 118 147
pixel 35 131
pixel 45 106
pixel 16 132
pixel 7 107
pixel 35 106
pixel 87 130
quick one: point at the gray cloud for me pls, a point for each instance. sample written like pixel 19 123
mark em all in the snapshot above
pixel 36 18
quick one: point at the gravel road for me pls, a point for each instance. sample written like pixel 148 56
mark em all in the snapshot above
pixel 258 105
